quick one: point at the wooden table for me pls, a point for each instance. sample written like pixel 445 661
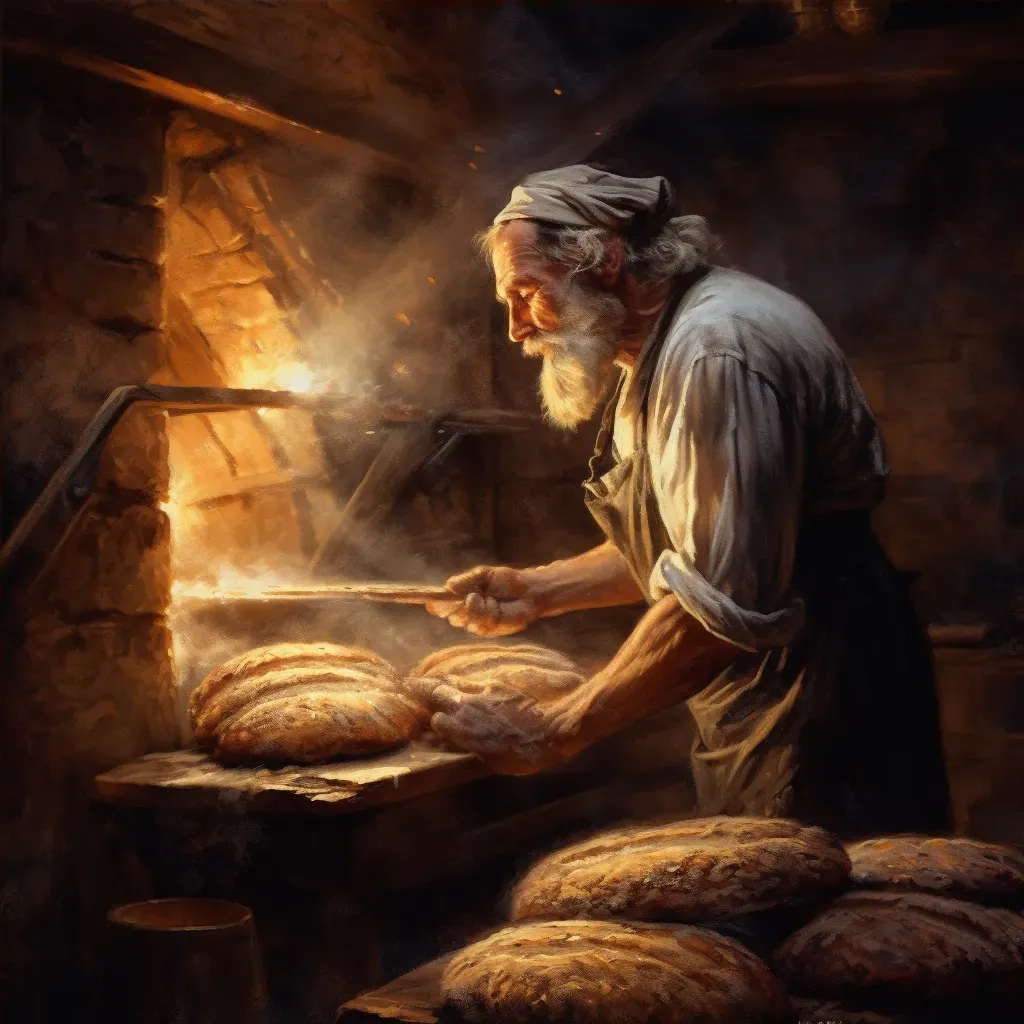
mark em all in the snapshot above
pixel 190 779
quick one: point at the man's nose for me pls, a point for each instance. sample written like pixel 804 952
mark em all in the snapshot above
pixel 520 330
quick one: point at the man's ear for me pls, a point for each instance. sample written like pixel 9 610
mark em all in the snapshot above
pixel 611 266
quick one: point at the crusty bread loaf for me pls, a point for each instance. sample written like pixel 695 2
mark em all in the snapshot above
pixel 530 668
pixel 956 866
pixel 318 724
pixel 880 948
pixel 275 658
pixel 242 691
pixel 610 972
pixel 299 703
pixel 685 871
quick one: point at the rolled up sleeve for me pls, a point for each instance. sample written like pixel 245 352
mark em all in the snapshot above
pixel 727 465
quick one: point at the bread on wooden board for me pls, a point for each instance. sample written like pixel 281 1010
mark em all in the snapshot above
pixel 299 703
pixel 685 871
pixel 610 972
pixel 880 948
pixel 953 866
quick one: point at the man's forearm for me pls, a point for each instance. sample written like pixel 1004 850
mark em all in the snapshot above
pixel 667 658
pixel 599 578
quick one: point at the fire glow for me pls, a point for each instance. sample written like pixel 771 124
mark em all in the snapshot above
pixel 229 585
pixel 287 376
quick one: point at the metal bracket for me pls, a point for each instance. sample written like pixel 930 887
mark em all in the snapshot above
pixel 69 488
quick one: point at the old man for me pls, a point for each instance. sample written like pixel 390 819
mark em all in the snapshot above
pixel 735 470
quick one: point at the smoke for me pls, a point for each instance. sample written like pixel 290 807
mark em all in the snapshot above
pixel 413 297
pixel 408 316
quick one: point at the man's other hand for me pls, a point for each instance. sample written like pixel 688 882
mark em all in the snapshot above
pixel 512 732
pixel 490 601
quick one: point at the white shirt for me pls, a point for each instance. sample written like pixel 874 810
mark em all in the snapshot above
pixel 754 421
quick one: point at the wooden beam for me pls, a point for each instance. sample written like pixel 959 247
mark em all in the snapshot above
pixel 244 113
pixel 890 66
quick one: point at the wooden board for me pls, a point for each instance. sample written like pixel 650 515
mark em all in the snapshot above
pixel 386 593
pixel 191 779
pixel 414 998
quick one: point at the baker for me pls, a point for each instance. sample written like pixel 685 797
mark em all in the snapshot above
pixel 736 466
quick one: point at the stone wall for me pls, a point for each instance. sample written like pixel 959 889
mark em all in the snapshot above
pixel 82 274
pixel 88 681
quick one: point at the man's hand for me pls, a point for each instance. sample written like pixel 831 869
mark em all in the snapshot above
pixel 498 601
pixel 511 732
pixel 490 601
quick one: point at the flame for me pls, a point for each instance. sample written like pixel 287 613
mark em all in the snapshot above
pixel 293 375
pixel 227 583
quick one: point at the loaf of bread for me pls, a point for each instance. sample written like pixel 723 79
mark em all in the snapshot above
pixel 686 871
pixel 528 668
pixel 947 866
pixel 610 972
pixel 888 948
pixel 299 703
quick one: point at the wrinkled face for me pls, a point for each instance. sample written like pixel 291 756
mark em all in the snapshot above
pixel 572 323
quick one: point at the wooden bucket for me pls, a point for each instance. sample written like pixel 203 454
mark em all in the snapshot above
pixel 182 961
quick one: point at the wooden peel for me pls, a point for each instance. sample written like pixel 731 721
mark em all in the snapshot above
pixel 387 593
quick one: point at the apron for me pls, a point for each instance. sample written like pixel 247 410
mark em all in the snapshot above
pixel 841 727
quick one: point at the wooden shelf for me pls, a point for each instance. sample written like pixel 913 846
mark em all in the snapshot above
pixel 190 779
pixel 890 66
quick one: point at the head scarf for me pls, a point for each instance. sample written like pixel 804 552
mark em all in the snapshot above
pixel 584 197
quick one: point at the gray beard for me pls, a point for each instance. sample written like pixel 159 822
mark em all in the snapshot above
pixel 579 368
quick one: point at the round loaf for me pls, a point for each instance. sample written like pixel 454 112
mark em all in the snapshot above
pixel 528 668
pixel 610 972
pixel 947 866
pixel 299 703
pixel 885 948
pixel 686 871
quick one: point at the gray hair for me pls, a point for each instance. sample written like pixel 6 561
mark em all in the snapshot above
pixel 682 245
